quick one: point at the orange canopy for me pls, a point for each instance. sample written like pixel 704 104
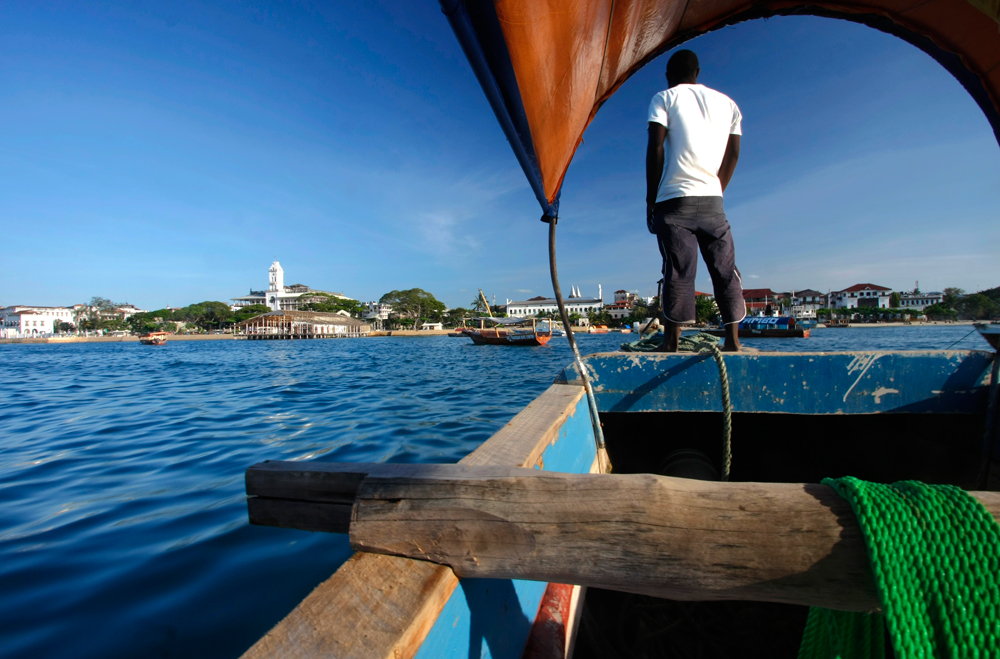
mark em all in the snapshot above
pixel 548 65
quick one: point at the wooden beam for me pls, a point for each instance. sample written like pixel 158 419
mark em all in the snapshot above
pixel 640 533
pixel 382 607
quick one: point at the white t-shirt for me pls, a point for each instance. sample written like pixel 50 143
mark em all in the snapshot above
pixel 699 122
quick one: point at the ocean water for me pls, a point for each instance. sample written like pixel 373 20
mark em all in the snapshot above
pixel 123 527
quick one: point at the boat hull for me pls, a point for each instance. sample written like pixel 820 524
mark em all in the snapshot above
pixel 882 416
pixel 749 333
pixel 508 338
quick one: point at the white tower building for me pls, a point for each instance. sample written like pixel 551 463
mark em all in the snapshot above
pixel 277 288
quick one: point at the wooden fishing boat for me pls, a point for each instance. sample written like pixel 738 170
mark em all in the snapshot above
pixel 878 415
pixel 598 329
pixel 154 338
pixel 509 332
pixel 764 327
pixel 838 322
pixel 524 549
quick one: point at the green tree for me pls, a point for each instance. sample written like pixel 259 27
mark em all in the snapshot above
pixel 574 319
pixel 977 307
pixel 245 313
pixel 951 296
pixel 414 304
pixel 894 300
pixel 705 309
pixel 940 312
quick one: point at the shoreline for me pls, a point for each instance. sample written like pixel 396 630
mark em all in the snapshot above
pixel 390 333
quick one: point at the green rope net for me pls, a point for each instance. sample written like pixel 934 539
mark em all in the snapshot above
pixel 935 556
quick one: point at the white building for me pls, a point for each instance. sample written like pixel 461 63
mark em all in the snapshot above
pixel 804 304
pixel 377 313
pixel 861 295
pixel 21 322
pixel 919 301
pixel 278 296
pixel 575 303
pixel 126 311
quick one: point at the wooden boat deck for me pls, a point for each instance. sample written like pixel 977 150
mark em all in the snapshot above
pixel 378 606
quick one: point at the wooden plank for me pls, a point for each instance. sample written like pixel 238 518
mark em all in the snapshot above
pixel 382 607
pixel 651 535
pixel 302 515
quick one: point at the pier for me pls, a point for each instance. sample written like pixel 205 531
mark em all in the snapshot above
pixel 290 325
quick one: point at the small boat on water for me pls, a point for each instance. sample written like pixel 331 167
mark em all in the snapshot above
pixel 767 327
pixel 509 332
pixel 154 338
pixel 598 329
pixel 838 322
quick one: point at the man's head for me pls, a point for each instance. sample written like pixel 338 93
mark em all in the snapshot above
pixel 682 68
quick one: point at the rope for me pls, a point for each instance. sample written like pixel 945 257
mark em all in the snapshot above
pixel 603 462
pixel 701 342
pixel 727 409
pixel 934 552
pixel 961 339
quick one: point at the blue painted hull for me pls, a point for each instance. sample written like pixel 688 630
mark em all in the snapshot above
pixel 492 618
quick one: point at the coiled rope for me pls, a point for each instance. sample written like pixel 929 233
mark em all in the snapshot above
pixel 603 461
pixel 934 552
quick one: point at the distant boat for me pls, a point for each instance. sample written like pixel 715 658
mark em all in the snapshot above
pixel 838 322
pixel 773 327
pixel 508 331
pixel 598 329
pixel 154 338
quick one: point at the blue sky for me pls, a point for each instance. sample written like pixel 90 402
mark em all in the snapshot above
pixel 165 155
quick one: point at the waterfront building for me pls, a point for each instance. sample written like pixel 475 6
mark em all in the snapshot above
pixel 919 301
pixel 861 295
pixel 432 326
pixel 575 303
pixel 803 305
pixel 278 296
pixel 22 321
pixel 758 299
pixel 377 313
pixel 126 311
pixel 290 324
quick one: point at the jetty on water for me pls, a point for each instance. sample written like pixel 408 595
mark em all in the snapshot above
pixel 288 324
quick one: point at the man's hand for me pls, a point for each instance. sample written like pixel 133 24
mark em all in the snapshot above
pixel 654 165
pixel 729 160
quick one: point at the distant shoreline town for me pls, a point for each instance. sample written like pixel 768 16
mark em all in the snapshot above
pixel 326 313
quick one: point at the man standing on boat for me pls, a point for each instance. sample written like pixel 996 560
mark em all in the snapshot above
pixel 684 187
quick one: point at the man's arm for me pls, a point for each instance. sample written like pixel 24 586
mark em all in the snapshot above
pixel 728 165
pixel 654 163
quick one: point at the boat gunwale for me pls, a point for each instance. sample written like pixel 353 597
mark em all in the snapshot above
pixel 377 606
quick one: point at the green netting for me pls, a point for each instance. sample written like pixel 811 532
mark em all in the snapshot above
pixel 935 556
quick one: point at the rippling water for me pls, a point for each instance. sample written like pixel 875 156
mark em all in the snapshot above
pixel 123 528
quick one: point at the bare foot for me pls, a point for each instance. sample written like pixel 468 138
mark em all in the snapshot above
pixel 663 347
pixel 731 346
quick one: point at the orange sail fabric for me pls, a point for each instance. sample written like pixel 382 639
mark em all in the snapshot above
pixel 569 56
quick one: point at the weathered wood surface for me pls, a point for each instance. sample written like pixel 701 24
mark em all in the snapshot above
pixel 379 607
pixel 640 533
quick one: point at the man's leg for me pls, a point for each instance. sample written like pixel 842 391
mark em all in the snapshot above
pixel 716 242
pixel 679 248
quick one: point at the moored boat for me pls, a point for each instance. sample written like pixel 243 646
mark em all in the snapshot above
pixel 154 338
pixel 598 329
pixel 509 332
pixel 762 327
